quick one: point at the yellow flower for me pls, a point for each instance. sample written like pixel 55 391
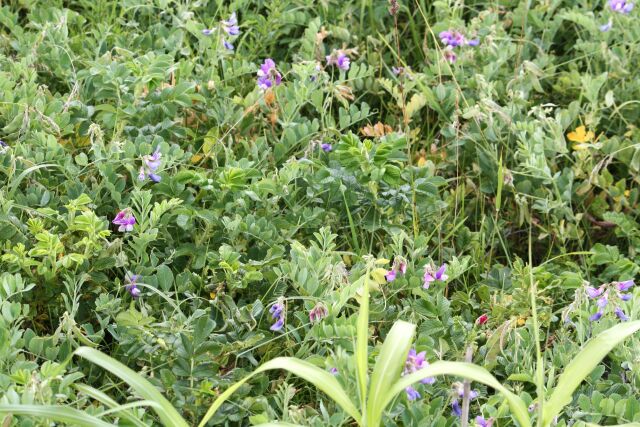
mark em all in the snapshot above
pixel 580 136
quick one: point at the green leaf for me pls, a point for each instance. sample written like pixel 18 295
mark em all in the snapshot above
pixel 167 413
pixel 108 402
pixel 467 371
pixel 58 413
pixel 581 366
pixel 322 379
pixel 391 360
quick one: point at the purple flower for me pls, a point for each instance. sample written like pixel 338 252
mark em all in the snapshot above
pixel 277 325
pixel 431 276
pixel 415 362
pixel 473 42
pixel 227 45
pixel 230 26
pixel 596 316
pixel 450 55
pixel 594 292
pixel 459 389
pixel 606 27
pixel 621 6
pixel 339 59
pixel 333 371
pixel 391 275
pixel 402 266
pixel 455 408
pixel 131 285
pixel 318 313
pixel 208 31
pixel 451 38
pixel 151 163
pixel 268 76
pixel 412 393
pixel 624 297
pixel 277 312
pixel 624 286
pixel 481 422
pixel 618 311
pixel 326 147
pixel 603 301
pixel 125 220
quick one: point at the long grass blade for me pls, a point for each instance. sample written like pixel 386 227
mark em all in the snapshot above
pixel 166 412
pixel 362 343
pixel 108 402
pixel 581 366
pixel 391 360
pixel 320 378
pixel 468 371
pixel 57 413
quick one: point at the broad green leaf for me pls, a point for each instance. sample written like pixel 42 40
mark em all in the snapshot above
pixel 58 413
pixel 468 371
pixel 320 378
pixel 391 360
pixel 581 366
pixel 167 413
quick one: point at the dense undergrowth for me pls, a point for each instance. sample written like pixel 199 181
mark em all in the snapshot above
pixel 194 187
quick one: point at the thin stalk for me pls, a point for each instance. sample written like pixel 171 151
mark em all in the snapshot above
pixel 539 378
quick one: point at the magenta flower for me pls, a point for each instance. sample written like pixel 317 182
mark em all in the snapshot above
pixel 333 371
pixel 318 313
pixel 451 38
pixel 268 76
pixel 125 220
pixel 391 275
pixel 594 292
pixel 624 286
pixel 621 6
pixel 450 55
pixel 482 422
pixel 339 59
pixel 432 276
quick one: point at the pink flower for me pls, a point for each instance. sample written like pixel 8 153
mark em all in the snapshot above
pixel 125 220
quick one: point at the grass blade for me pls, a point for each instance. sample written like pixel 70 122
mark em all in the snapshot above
pixel 468 371
pixel 108 402
pixel 320 378
pixel 362 343
pixel 57 413
pixel 391 360
pixel 581 366
pixel 167 413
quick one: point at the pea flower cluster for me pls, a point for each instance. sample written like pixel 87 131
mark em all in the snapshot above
pixel 399 266
pixel 318 313
pixel 458 390
pixel 150 165
pixel 621 6
pixel 125 220
pixel 416 361
pixel 131 285
pixel 230 27
pixel 268 76
pixel 431 274
pixel 277 313
pixel 339 59
pixel 452 39
pixel 614 293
